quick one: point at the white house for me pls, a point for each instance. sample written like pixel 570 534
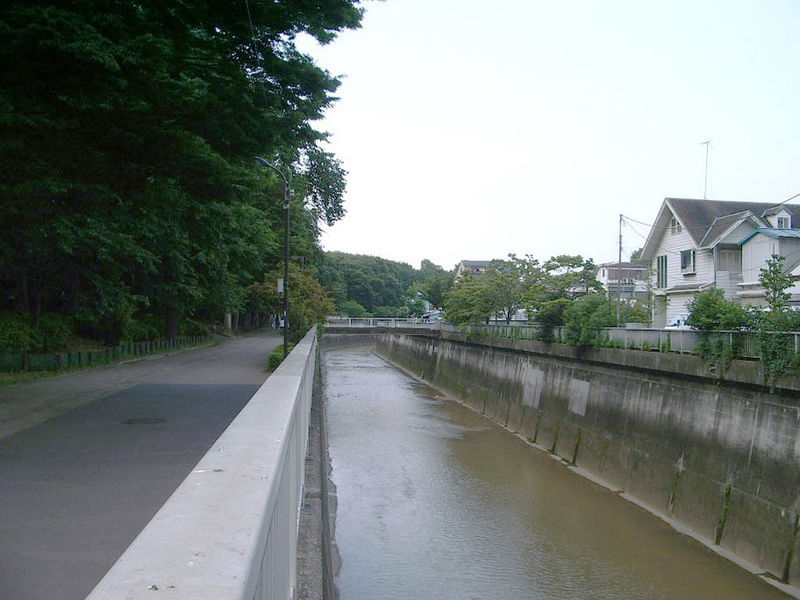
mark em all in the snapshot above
pixel 625 279
pixel 697 244
pixel 476 268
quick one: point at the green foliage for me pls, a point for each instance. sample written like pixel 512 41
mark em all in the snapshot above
pixel 16 333
pixel 711 311
pixel 636 312
pixel 309 302
pixel 276 357
pixel 351 308
pixel 127 133
pixel 469 301
pixel 776 350
pixel 369 280
pixel 387 311
pixel 53 333
pixel 434 283
pixel 584 319
pixel 550 315
pixel 775 283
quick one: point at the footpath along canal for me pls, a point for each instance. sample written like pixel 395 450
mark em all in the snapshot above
pixel 437 501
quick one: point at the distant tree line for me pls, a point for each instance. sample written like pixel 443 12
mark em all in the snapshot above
pixel 372 286
pixel 130 204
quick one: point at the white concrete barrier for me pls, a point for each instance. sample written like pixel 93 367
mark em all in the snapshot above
pixel 230 530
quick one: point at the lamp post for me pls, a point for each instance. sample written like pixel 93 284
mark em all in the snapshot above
pixel 286 192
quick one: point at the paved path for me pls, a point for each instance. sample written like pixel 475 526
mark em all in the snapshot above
pixel 87 459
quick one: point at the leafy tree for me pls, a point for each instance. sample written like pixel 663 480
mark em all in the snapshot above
pixel 469 301
pixel 776 350
pixel 309 303
pixel 561 279
pixel 711 311
pixel 585 317
pixel 369 280
pixel 127 132
pixel 351 308
pixel 433 284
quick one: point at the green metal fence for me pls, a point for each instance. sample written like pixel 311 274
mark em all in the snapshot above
pixel 15 363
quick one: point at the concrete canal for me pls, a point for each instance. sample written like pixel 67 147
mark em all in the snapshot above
pixel 437 501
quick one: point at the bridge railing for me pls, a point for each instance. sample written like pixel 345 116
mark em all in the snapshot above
pixel 380 322
pixel 230 529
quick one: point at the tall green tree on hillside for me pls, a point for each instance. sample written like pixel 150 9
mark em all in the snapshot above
pixel 127 132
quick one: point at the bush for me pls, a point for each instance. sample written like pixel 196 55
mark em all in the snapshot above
pixel 191 327
pixel 351 308
pixel 276 357
pixel 53 333
pixel 584 319
pixel 710 311
pixel 16 333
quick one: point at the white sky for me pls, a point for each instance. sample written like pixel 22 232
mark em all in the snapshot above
pixel 472 129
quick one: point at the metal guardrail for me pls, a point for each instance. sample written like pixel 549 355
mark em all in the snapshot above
pixel 230 530
pixel 380 322
pixel 682 341
pixel 744 343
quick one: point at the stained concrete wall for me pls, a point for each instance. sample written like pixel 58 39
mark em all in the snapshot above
pixel 720 457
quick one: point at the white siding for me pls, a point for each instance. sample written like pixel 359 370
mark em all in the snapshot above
pixel 755 253
pixel 672 245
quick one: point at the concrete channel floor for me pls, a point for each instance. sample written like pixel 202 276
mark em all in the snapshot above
pixel 86 459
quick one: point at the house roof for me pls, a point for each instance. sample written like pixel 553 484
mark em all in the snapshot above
pixel 721 225
pixel 706 220
pixel 476 263
pixel 775 233
pixel 623 265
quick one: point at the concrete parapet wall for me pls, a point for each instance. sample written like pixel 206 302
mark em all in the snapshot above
pixel 719 457
pixel 230 529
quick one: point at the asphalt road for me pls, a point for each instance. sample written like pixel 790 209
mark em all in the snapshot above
pixel 87 459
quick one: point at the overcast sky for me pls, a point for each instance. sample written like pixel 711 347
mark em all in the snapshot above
pixel 472 129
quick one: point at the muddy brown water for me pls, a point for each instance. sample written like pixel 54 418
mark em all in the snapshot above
pixel 437 501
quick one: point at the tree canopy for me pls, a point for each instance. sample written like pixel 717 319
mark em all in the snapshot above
pixel 127 136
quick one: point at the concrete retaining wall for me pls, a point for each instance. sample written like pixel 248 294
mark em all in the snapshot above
pixel 230 530
pixel 719 457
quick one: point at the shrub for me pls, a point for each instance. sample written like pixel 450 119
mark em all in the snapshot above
pixel 53 333
pixel 16 333
pixel 276 357
pixel 192 327
pixel 584 319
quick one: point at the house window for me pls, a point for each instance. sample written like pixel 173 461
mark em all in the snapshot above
pixel 730 259
pixel 687 262
pixel 674 227
pixel 661 271
pixel 784 223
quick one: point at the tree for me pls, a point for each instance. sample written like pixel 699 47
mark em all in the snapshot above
pixel 711 311
pixel 309 303
pixel 126 139
pixel 469 301
pixel 776 350
pixel 434 283
pixel 561 279
pixel 585 317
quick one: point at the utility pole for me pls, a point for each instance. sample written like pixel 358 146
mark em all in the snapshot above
pixel 705 181
pixel 619 272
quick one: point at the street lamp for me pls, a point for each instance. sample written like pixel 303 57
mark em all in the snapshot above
pixel 286 192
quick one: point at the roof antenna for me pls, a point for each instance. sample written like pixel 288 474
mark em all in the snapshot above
pixel 705 182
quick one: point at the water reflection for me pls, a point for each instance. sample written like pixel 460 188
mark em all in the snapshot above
pixel 435 501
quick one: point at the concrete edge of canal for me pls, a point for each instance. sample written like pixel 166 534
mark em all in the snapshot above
pixel 752 568
pixel 317 556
